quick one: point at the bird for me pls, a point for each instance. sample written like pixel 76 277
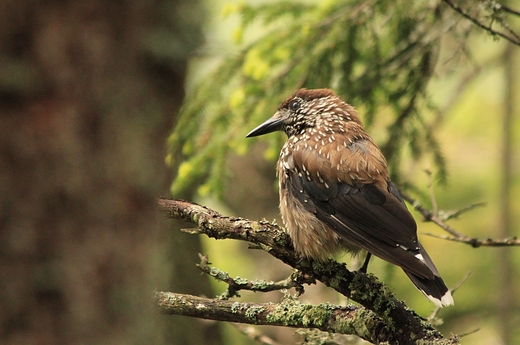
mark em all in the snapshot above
pixel 336 194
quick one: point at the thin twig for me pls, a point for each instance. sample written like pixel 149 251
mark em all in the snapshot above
pixel 513 38
pixel 469 333
pixel 296 280
pixel 509 10
pixel 477 242
pixel 429 216
pixel 447 215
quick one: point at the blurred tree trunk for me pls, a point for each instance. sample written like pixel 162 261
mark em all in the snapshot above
pixel 507 290
pixel 88 92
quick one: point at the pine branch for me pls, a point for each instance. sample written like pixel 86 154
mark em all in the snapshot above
pixel 511 36
pixel 398 323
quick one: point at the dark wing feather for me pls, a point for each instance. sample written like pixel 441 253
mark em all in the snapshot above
pixel 364 215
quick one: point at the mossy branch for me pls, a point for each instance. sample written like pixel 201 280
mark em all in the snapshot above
pixel 395 320
pixel 288 313
pixel 295 280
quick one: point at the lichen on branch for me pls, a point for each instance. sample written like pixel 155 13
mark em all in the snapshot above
pixel 382 313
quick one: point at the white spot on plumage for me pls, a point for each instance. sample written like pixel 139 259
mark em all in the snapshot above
pixel 447 299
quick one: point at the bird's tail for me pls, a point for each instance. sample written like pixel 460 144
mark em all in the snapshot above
pixel 434 289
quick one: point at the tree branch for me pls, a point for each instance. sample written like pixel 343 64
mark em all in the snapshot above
pixel 288 313
pixel 477 242
pixel 430 216
pixel 296 280
pixel 509 10
pixel 401 324
pixel 511 37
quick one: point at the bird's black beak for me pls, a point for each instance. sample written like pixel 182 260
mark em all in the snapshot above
pixel 275 123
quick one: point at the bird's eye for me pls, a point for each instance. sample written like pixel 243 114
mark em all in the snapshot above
pixel 295 105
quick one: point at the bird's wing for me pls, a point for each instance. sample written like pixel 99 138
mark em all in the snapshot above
pixel 354 202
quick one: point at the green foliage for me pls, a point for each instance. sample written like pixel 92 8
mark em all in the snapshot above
pixel 377 55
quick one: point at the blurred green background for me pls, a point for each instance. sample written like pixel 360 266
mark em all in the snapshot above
pixel 105 106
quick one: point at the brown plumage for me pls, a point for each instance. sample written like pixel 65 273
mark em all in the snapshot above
pixel 336 193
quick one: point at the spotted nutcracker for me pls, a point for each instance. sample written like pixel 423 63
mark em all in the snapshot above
pixel 336 193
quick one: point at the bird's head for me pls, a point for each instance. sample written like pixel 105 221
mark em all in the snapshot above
pixel 307 109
